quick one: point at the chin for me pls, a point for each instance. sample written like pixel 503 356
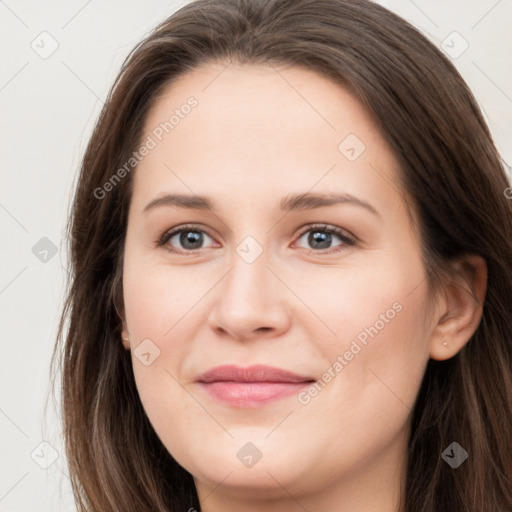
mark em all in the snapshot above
pixel 247 466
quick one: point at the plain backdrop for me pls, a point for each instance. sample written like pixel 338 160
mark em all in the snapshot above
pixel 58 60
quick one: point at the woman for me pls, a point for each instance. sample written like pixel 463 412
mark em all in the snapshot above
pixel 291 251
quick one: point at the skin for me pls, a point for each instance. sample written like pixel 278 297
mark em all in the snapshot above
pixel 257 135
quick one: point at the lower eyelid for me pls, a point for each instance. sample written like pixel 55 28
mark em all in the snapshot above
pixel 342 246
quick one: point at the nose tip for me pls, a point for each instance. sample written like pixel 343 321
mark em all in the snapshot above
pixel 248 304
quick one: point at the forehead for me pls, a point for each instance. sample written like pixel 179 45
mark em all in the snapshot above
pixel 294 101
pixel 256 125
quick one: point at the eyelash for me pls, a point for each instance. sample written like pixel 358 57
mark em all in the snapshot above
pixel 347 241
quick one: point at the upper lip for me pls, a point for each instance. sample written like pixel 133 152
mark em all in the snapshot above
pixel 256 373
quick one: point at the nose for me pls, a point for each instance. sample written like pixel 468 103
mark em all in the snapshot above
pixel 250 302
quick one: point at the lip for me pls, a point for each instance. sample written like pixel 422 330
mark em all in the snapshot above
pixel 253 386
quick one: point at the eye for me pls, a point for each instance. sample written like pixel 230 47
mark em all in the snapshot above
pixel 321 237
pixel 188 238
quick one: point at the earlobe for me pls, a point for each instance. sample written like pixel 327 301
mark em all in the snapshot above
pixel 126 343
pixel 464 299
pixel 125 338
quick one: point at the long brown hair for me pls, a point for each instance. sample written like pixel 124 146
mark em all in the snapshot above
pixel 449 166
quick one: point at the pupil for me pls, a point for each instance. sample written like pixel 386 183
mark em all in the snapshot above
pixel 191 237
pixel 317 238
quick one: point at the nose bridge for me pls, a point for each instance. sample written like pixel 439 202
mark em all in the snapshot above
pixel 248 261
pixel 247 281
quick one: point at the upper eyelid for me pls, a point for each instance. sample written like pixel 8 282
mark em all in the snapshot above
pixel 302 230
pixel 186 227
pixel 326 227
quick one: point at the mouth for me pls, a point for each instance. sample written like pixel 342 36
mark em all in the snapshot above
pixel 254 386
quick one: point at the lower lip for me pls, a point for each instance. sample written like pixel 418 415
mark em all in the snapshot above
pixel 251 394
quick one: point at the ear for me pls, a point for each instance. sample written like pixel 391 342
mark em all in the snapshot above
pixel 125 336
pixel 461 307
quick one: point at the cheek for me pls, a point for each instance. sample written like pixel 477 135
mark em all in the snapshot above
pixel 358 303
pixel 159 298
pixel 162 307
pixel 379 373
pixel 376 358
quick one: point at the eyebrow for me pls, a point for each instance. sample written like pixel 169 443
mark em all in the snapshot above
pixel 295 202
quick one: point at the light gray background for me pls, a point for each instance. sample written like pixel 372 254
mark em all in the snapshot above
pixel 48 107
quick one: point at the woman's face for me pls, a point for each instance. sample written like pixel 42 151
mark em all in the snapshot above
pixel 297 256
